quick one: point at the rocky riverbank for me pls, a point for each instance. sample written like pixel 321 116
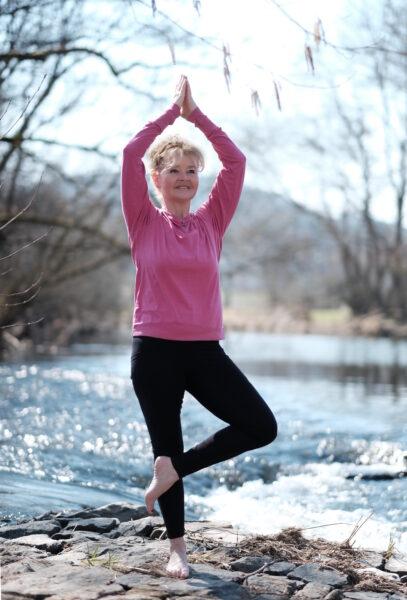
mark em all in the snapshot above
pixel 118 552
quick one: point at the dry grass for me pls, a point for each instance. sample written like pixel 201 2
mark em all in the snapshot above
pixel 290 545
pixel 285 319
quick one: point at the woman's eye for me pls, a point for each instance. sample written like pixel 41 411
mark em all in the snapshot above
pixel 173 171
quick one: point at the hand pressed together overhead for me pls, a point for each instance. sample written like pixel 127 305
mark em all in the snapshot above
pixel 183 97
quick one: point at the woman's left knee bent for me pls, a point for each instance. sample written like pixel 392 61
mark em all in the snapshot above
pixel 267 432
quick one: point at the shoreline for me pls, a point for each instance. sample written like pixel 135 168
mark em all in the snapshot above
pixel 118 551
pixel 282 319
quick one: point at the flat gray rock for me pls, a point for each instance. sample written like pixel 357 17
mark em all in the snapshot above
pixel 75 535
pixel 280 568
pixel 11 551
pixel 205 525
pixel 38 540
pixel 248 564
pixel 397 564
pixel 98 524
pixel 69 557
pixel 67 583
pixel 320 573
pixel 272 584
pixel 366 596
pixel 379 573
pixel 334 595
pixel 11 532
pixel 119 510
pixel 142 527
pixel 204 580
pixel 146 594
pixel 12 569
pixel 312 591
pixel 372 558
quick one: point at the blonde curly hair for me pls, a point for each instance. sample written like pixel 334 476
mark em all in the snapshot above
pixel 158 152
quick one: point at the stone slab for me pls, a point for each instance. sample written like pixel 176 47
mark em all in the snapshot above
pixel 38 540
pixel 272 584
pixel 67 583
pixel 397 564
pixel 248 564
pixel 27 528
pixel 312 591
pixel 366 595
pixel 316 572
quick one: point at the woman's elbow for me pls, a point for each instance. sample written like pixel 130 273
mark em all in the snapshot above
pixel 239 160
pixel 242 163
pixel 126 148
pixel 242 158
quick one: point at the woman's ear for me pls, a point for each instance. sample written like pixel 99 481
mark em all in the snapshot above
pixel 155 176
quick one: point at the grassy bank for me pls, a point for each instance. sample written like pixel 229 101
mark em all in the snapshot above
pixel 337 321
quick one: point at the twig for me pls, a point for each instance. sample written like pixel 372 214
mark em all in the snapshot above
pixel 355 530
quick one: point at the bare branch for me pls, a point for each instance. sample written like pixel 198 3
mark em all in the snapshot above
pixel 37 282
pixel 18 324
pixel 27 301
pixel 374 46
pixel 70 224
pixel 23 112
pixel 89 149
pixel 25 246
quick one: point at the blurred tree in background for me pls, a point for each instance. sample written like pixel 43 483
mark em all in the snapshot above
pixel 361 152
pixel 62 235
pixel 356 150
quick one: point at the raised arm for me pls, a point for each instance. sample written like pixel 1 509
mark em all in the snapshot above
pixel 225 193
pixel 136 204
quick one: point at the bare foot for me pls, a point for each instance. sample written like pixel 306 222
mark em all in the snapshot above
pixel 164 477
pixel 178 565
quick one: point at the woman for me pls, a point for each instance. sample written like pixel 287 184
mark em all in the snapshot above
pixel 177 320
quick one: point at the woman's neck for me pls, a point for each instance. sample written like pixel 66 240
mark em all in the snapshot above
pixel 179 211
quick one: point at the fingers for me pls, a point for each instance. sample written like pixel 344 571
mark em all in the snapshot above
pixel 180 90
pixel 184 96
pixel 181 82
pixel 188 94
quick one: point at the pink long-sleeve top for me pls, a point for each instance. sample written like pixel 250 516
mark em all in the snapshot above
pixel 177 287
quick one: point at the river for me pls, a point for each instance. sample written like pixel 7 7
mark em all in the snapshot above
pixel 72 435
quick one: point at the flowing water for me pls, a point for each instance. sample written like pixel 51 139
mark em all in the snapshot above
pixel 72 435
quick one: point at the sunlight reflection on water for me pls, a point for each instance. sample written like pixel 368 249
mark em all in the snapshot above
pixel 72 431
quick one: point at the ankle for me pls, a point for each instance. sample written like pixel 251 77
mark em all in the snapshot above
pixel 162 460
pixel 177 543
pixel 164 463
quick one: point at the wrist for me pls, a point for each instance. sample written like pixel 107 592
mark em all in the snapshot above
pixel 191 112
pixel 175 106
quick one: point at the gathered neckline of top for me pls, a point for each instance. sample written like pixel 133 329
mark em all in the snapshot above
pixel 175 218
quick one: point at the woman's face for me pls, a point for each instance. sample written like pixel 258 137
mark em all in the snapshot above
pixel 178 180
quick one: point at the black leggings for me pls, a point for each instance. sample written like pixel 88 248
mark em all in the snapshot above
pixel 161 371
